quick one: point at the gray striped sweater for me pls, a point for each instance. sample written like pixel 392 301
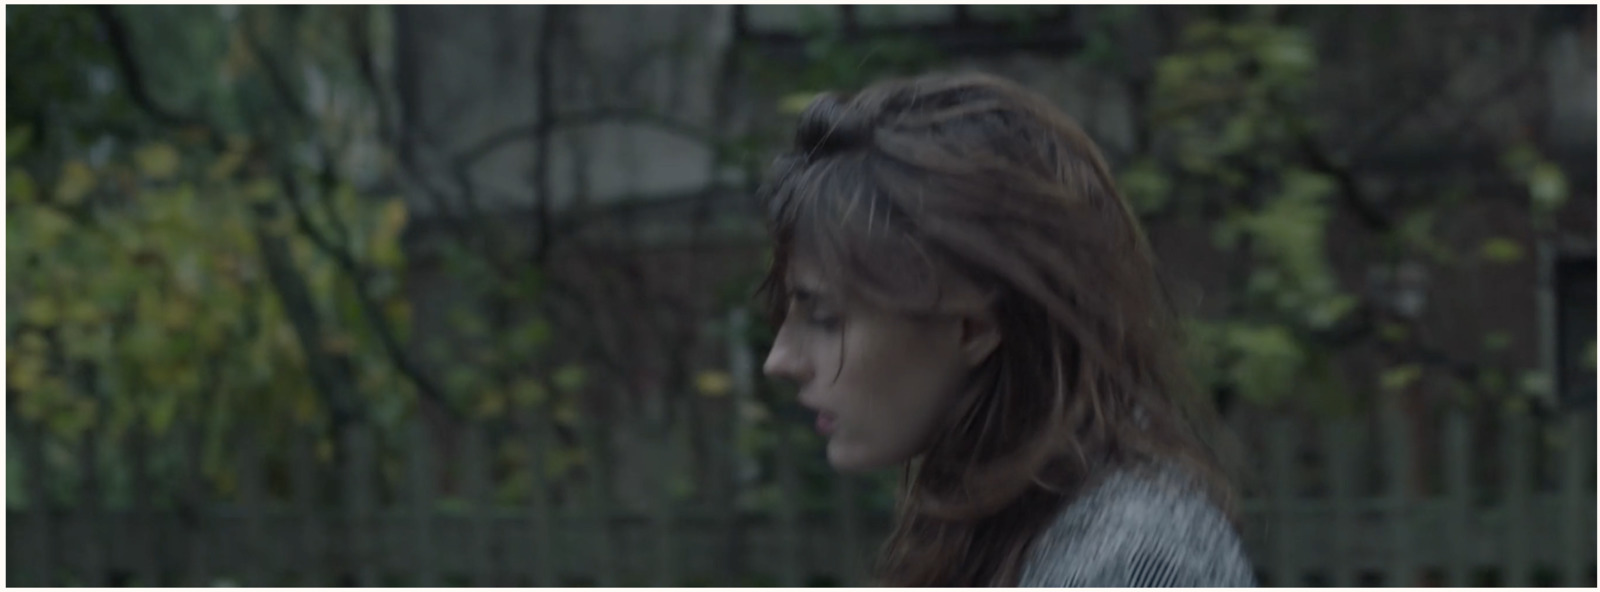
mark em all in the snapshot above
pixel 1139 528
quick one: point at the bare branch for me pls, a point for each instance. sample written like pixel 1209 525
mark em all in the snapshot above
pixel 369 305
pixel 1349 187
pixel 116 31
pixel 512 134
pixel 543 126
pixel 276 80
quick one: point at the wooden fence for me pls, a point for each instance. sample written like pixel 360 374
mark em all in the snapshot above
pixel 1480 501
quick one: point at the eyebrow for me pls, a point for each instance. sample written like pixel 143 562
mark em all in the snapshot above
pixel 801 291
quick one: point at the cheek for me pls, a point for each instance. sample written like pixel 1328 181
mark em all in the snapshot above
pixel 897 388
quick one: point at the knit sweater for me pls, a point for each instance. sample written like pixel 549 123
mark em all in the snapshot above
pixel 1139 528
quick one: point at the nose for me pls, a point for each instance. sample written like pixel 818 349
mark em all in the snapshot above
pixel 784 361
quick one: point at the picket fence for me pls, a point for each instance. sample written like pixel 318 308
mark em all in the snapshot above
pixel 1505 500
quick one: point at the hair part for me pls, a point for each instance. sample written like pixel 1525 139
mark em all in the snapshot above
pixel 911 187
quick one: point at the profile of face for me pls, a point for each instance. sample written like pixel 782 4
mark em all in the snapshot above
pixel 881 381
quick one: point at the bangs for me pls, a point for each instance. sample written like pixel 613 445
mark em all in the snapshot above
pixel 838 216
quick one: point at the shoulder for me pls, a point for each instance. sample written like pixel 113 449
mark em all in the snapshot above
pixel 1139 528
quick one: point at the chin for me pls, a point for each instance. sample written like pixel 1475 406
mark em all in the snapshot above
pixel 850 459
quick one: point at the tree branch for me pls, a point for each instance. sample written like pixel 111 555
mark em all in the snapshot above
pixel 276 80
pixel 368 304
pixel 1349 187
pixel 543 126
pixel 133 78
pixel 512 134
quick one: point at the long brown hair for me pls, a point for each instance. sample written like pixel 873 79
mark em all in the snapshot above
pixel 896 188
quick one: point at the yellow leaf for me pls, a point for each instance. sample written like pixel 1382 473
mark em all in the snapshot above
pixel 1501 250
pixel 339 343
pixel 177 314
pixel 19 186
pixel 713 383
pixel 83 311
pixel 17 140
pixel 25 372
pixel 528 392
pixel 1400 377
pixel 163 410
pixel 49 226
pixel 40 311
pixel 569 378
pixel 76 181
pixel 260 190
pixel 795 103
pixel 31 342
pixel 324 450
pixel 385 244
pixel 491 404
pixel 393 217
pixel 566 413
pixel 229 162
pixel 157 161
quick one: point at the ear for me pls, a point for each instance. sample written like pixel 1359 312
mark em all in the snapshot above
pixel 980 336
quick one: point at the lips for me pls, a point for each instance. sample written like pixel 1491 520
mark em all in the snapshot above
pixel 825 423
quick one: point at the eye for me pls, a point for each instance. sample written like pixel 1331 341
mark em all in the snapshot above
pixel 825 321
pixel 813 315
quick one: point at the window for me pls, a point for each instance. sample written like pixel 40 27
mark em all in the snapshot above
pixel 956 30
pixel 1575 329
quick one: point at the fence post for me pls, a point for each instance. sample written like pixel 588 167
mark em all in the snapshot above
pixel 1337 439
pixel 420 472
pixel 847 521
pixel 91 515
pixel 788 513
pixel 475 460
pixel 1515 445
pixel 1281 482
pixel 544 555
pixel 601 509
pixel 357 444
pixel 256 549
pixel 303 476
pixel 41 507
pixel 146 529
pixel 1458 488
pixel 666 572
pixel 193 506
pixel 1398 517
pixel 1580 460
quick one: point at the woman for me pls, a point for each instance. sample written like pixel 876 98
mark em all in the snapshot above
pixel 962 290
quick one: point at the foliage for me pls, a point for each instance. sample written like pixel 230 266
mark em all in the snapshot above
pixel 199 241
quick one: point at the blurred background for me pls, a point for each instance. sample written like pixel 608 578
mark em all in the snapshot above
pixel 460 295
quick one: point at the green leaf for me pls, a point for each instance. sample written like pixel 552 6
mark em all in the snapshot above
pixel 795 103
pixel 77 179
pixel 1399 377
pixel 1536 383
pixel 1268 360
pixel 1496 341
pixel 1501 250
pixel 528 393
pixel 1520 159
pixel 20 188
pixel 18 139
pixel 1146 186
pixel 1547 185
pixel 158 161
pixel 1331 310
pixel 713 383
pixel 1392 332
pixel 569 378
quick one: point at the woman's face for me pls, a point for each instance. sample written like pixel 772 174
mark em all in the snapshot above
pixel 880 381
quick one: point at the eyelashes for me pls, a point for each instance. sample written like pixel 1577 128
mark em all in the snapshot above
pixel 805 306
